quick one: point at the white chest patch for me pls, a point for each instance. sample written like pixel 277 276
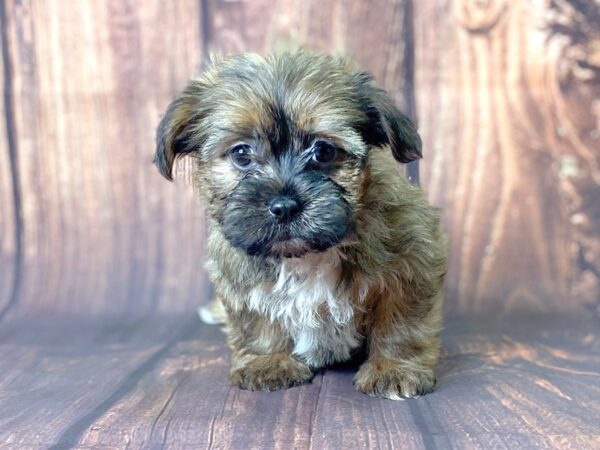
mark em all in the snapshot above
pixel 307 302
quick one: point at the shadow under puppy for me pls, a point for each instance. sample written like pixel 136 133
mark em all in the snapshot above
pixel 317 245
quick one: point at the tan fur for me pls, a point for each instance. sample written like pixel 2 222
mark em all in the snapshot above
pixel 379 290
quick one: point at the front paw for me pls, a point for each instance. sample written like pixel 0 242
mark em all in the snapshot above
pixel 269 372
pixel 383 377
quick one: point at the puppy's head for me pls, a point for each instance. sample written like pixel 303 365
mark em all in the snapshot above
pixel 281 144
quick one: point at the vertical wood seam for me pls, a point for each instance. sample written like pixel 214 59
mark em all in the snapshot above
pixel 14 166
pixel 313 417
pixel 425 431
pixel 203 23
pixel 408 36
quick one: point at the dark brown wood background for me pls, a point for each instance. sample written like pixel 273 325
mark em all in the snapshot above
pixel 506 99
pixel 101 260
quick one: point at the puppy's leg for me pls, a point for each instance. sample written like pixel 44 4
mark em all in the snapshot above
pixel 261 355
pixel 403 349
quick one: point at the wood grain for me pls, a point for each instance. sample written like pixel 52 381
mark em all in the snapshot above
pixel 508 115
pixel 10 205
pixel 351 28
pixel 89 83
pixel 513 147
pixel 64 374
pixel 531 382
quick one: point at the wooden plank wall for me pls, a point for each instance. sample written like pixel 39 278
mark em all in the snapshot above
pixel 509 107
pixel 506 96
pixel 86 83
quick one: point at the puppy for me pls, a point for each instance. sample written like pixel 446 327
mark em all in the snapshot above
pixel 318 248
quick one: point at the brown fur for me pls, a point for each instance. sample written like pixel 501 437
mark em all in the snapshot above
pixel 390 269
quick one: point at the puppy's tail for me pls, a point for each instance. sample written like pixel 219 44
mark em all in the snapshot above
pixel 213 313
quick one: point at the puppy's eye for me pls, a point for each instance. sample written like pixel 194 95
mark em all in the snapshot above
pixel 242 156
pixel 323 152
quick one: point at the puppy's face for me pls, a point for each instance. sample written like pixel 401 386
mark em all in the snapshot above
pixel 281 145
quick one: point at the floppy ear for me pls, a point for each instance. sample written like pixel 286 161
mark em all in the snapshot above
pixel 389 126
pixel 175 133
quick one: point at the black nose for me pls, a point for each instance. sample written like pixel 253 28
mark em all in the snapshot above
pixel 284 208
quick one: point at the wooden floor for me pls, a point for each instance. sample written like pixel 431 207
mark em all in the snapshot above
pixel 154 383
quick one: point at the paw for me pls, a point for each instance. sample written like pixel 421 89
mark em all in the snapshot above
pixel 270 373
pixel 382 377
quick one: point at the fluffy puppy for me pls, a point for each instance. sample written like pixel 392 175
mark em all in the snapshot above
pixel 319 248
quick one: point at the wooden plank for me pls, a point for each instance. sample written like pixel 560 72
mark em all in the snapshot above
pixel 512 133
pixel 186 402
pixel 354 29
pixel 90 82
pixel 526 383
pixel 10 239
pixel 498 386
pixel 540 373
pixel 79 197
pixel 501 386
pixel 346 418
pixel 59 376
